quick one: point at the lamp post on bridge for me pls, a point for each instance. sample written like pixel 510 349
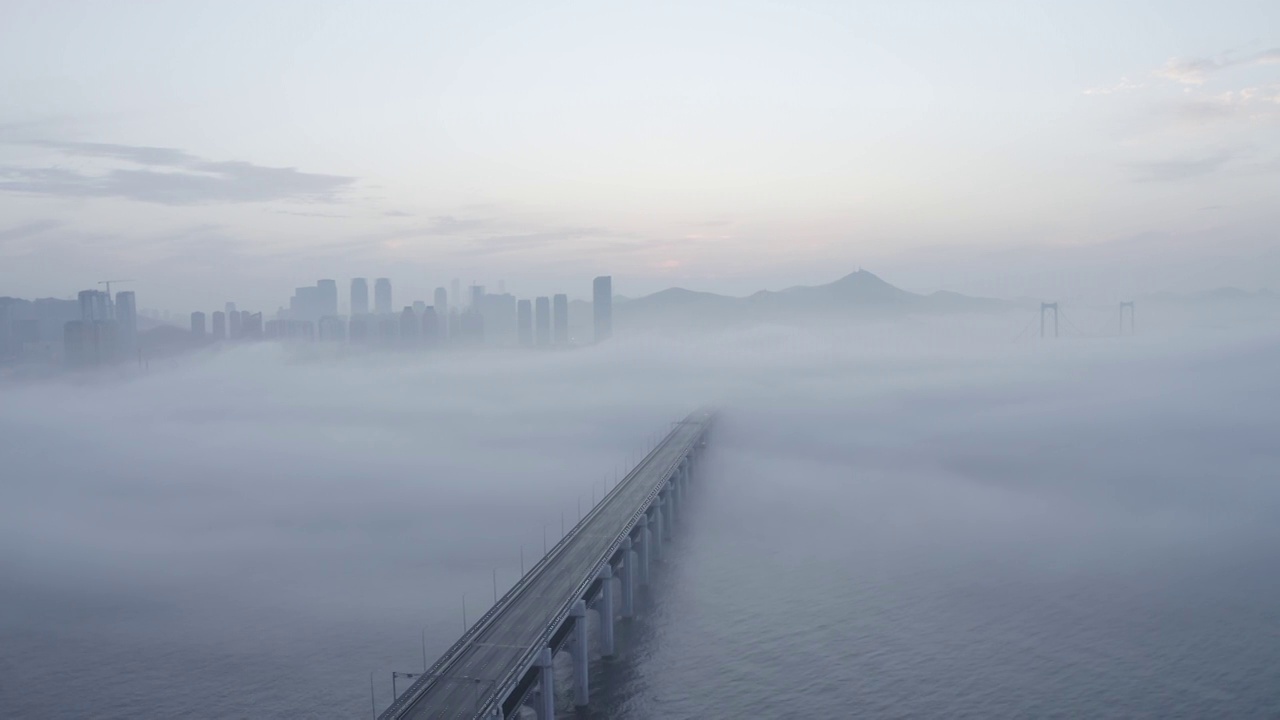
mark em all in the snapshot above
pixel 394 675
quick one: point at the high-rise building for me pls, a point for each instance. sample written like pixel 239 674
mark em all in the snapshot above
pixel 234 323
pixel 441 302
pixel 197 324
pixel 307 304
pixel 230 308
pixel 95 306
pixel 359 296
pixel 524 321
pixel 89 342
pixel 560 318
pixel 477 297
pixel 382 296
pixel 431 334
pixel 127 323
pixel 219 325
pixel 75 343
pixel 328 297
pixel 409 327
pixel 471 327
pixel 455 292
pixel 602 307
pixel 251 325
pixel 542 320
pixel 95 339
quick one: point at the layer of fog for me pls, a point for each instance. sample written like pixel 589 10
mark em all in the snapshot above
pixel 298 519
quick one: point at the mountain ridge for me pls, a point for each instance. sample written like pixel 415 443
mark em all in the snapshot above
pixel 860 293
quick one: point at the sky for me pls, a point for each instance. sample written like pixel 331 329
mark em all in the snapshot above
pixel 236 150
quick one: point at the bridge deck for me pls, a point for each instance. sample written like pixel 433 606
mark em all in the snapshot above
pixel 474 670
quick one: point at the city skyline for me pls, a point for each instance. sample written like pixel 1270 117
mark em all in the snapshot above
pixel 96 331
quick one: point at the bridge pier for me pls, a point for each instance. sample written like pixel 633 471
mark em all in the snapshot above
pixel 606 610
pixel 658 534
pixel 628 579
pixel 673 506
pixel 546 703
pixel 646 539
pixel 581 659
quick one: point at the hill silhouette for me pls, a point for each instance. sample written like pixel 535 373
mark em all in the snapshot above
pixel 860 294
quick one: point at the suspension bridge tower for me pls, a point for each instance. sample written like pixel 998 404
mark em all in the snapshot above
pixel 1127 306
pixel 1044 312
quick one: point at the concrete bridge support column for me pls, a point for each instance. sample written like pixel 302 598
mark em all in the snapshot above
pixel 628 579
pixel 646 540
pixel 546 703
pixel 658 534
pixel 668 514
pixel 673 506
pixel 606 610
pixel 581 658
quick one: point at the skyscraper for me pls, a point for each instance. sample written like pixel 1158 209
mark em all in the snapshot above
pixel 250 325
pixel 94 340
pixel 431 334
pixel 76 349
pixel 197 324
pixel 94 306
pixel 233 322
pixel 328 297
pixel 560 318
pixel 307 304
pixel 219 325
pixel 127 323
pixel 382 296
pixel 471 327
pixel 524 321
pixel 409 326
pixel 602 307
pixel 477 297
pixel 542 320
pixel 359 296
pixel 455 292
pixel 442 302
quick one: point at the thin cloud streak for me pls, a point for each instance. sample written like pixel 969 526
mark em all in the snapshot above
pixel 1196 71
pixel 169 176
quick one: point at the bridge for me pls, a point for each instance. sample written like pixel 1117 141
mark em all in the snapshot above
pixel 503 662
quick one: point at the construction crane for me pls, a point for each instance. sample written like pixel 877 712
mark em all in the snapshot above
pixel 111 303
pixel 108 284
